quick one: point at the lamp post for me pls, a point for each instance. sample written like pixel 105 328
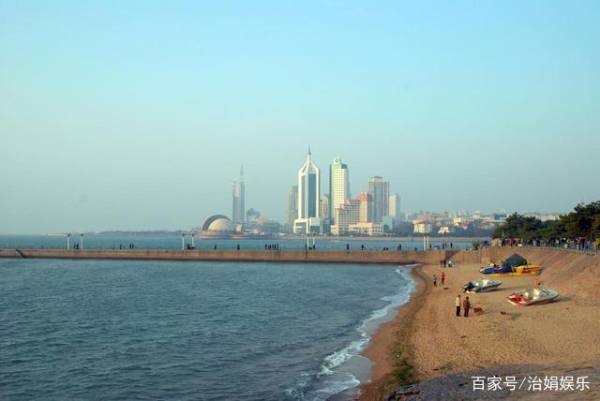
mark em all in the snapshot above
pixel 81 241
pixel 68 240
pixel 182 242
pixel 193 246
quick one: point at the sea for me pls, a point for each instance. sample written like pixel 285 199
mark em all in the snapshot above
pixel 150 330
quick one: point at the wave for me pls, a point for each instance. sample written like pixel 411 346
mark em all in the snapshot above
pixel 329 381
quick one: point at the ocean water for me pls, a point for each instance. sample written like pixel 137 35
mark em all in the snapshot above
pixel 140 330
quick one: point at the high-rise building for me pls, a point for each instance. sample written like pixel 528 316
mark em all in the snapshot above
pixel 346 215
pixel 379 190
pixel 339 186
pixel 366 207
pixel 239 199
pixel 309 196
pixel 324 207
pixel 292 205
pixel 394 206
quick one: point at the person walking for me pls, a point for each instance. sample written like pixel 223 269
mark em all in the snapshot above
pixel 466 306
pixel 443 277
pixel 435 280
pixel 458 302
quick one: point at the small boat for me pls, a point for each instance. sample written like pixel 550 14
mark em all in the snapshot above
pixel 532 296
pixel 481 285
pixel 515 265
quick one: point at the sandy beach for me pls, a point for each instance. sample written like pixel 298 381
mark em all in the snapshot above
pixel 445 351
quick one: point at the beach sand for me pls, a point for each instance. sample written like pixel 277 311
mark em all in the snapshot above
pixel 560 338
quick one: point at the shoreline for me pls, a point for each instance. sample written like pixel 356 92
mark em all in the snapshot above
pixel 445 352
pixel 389 336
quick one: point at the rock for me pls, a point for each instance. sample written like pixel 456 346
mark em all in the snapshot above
pixel 404 393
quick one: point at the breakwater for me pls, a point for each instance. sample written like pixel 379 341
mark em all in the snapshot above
pixel 357 256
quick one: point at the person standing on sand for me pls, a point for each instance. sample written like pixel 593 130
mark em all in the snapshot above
pixel 443 277
pixel 435 280
pixel 458 302
pixel 466 306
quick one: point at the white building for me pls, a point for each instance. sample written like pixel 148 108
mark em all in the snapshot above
pixel 339 186
pixel 345 215
pixel 238 212
pixel 309 196
pixel 370 229
pixel 422 227
pixel 394 206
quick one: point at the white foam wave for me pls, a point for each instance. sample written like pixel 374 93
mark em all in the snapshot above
pixel 356 347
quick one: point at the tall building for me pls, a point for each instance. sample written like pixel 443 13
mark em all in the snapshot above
pixel 324 207
pixel 239 199
pixel 292 206
pixel 394 206
pixel 309 196
pixel 366 207
pixel 346 215
pixel 379 190
pixel 339 186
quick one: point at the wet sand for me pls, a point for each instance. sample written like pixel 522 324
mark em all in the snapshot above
pixel 445 350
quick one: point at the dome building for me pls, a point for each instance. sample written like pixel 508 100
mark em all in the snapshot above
pixel 217 226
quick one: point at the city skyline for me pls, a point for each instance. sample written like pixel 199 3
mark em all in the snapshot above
pixel 136 116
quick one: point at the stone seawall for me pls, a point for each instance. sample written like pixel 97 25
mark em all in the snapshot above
pixel 381 257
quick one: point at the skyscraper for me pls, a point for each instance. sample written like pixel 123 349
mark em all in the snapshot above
pixel 309 196
pixel 339 186
pixel 379 190
pixel 366 207
pixel 239 199
pixel 292 206
pixel 324 207
pixel 394 206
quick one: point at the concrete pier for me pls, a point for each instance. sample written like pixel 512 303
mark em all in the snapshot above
pixel 355 256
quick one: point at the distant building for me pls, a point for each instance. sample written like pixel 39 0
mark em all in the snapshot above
pixel 324 207
pixel 445 230
pixel 370 229
pixel 217 227
pixel 239 199
pixel 346 215
pixel 366 207
pixel 388 223
pixel 379 190
pixel 394 206
pixel 292 205
pixel 422 228
pixel 309 196
pixel 339 186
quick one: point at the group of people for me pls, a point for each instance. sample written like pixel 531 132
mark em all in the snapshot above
pixel 446 263
pixel 270 247
pixel 461 304
pixel 442 279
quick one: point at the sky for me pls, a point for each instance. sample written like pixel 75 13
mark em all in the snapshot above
pixel 137 115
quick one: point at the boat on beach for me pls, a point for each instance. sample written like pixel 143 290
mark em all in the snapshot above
pixel 532 296
pixel 481 285
pixel 515 265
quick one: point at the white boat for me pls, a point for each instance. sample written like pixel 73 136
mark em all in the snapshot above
pixel 532 296
pixel 481 285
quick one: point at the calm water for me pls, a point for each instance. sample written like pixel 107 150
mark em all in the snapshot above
pixel 138 330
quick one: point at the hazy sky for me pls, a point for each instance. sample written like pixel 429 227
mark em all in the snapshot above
pixel 137 115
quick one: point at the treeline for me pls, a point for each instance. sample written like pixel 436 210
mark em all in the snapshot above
pixel 582 222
